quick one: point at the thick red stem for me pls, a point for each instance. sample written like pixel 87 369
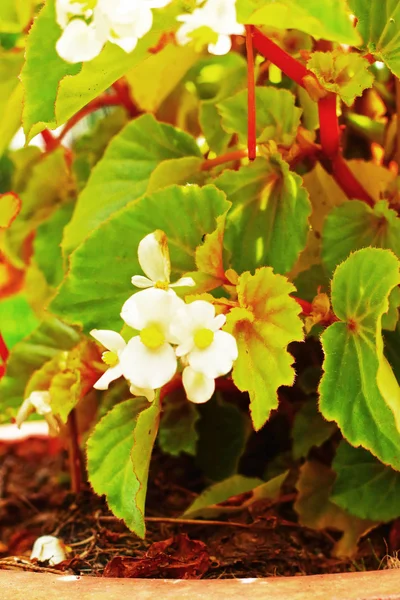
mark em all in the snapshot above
pixel 75 459
pixel 49 140
pixel 349 184
pixel 122 90
pixel 101 102
pixel 289 65
pixel 210 163
pixel 251 96
pixel 329 126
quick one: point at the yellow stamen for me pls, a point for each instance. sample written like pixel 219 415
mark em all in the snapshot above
pixel 203 338
pixel 152 337
pixel 161 285
pixel 110 358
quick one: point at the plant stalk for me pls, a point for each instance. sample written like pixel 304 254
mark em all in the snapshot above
pixel 251 96
pixel 75 459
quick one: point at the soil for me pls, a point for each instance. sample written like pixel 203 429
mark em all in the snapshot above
pixel 260 541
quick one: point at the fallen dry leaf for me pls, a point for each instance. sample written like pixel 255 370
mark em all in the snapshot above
pixel 176 558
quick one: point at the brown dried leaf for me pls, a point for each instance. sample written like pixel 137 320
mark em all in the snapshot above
pixel 175 558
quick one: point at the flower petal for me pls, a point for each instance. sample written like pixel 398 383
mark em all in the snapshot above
pixel 198 388
pixel 126 43
pixel 152 306
pixel 147 392
pixel 217 359
pixel 109 339
pixel 153 256
pixel 41 402
pixel 24 411
pixel 146 368
pixel 79 42
pixel 110 375
pixel 184 282
pixel 222 46
pixel 218 322
pixel 141 282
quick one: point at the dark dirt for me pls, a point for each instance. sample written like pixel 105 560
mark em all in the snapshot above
pixel 262 540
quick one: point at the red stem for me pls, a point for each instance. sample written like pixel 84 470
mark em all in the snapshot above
pixel 49 140
pixel 289 65
pixel 251 95
pixel 122 91
pixel 102 101
pixel 4 353
pixel 329 126
pixel 210 163
pixel 349 184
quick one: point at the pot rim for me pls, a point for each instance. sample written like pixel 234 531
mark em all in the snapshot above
pixel 366 585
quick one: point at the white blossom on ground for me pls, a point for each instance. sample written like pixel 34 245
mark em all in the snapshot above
pixel 85 31
pixel 217 15
pixel 154 259
pixel 48 548
pixel 149 361
pixel 38 401
pixel 208 351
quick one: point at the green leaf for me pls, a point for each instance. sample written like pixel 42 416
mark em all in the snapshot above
pixel 94 290
pixel 379 27
pixel 277 116
pixel 41 196
pixel 178 425
pixel 329 20
pixel 124 173
pixel 316 509
pixel 176 170
pixel 10 96
pixel 47 244
pixel 15 15
pixel 153 79
pixel 30 354
pixel 355 225
pixel 391 317
pixel 118 453
pixel 223 431
pixel 343 73
pixel 264 324
pixel 214 501
pixel 66 88
pixel 364 486
pixel 217 78
pixel 309 429
pixel 12 327
pixel 350 392
pixel 268 220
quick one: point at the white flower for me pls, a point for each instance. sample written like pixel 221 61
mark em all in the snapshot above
pixel 154 259
pixel 67 9
pixel 218 15
pixel 198 387
pixel 206 349
pixel 39 402
pixel 115 344
pixel 149 360
pixel 79 42
pixel 48 548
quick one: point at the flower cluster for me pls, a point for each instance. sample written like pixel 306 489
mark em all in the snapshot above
pixel 168 330
pixel 217 16
pixel 88 24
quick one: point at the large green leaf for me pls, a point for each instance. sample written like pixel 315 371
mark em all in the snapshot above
pixel 119 452
pixel 124 172
pixel 309 429
pixel 329 19
pixel 268 220
pixel 10 96
pixel 13 328
pixel 16 14
pixel 42 195
pixel 101 268
pixel 355 225
pixel 357 389
pixel 264 324
pixel 364 486
pixel 379 25
pixel 30 354
pixel 277 117
pixel 66 88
